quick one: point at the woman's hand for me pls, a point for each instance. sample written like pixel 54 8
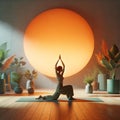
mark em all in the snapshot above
pixel 59 57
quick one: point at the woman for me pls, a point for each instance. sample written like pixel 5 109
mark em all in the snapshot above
pixel 67 90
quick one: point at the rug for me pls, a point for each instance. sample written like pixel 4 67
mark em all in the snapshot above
pixel 33 99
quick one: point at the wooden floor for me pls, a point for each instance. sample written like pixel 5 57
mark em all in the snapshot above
pixel 63 110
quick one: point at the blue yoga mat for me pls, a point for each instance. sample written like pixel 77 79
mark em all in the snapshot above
pixel 33 99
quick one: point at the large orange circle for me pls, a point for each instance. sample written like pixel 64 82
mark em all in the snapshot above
pixel 54 32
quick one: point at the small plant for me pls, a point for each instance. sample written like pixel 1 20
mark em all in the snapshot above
pixel 88 79
pixel 16 70
pixel 109 59
pixel 30 75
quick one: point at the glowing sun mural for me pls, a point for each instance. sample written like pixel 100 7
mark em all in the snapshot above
pixel 58 31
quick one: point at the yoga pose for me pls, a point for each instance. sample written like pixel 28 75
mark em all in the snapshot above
pixel 66 90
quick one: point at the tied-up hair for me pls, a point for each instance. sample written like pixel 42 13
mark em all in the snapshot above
pixel 59 68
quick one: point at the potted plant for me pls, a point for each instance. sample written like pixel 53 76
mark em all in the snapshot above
pixel 15 81
pixel 5 62
pixel 110 60
pixel 30 76
pixel 17 73
pixel 88 79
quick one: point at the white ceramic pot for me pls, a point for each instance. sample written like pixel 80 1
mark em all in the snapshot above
pixel 29 84
pixel 88 88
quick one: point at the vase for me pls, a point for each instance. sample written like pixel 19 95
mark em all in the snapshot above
pixel 95 85
pixel 7 83
pixel 2 83
pixel 7 87
pixel 30 86
pixel 18 89
pixel 102 80
pixel 30 90
pixel 113 86
pixel 88 88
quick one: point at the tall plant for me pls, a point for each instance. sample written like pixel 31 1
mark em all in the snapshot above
pixel 109 58
pixel 5 61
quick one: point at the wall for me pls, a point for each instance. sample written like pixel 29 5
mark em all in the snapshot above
pixel 102 16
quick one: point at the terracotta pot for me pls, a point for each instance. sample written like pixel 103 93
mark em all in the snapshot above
pixel 95 85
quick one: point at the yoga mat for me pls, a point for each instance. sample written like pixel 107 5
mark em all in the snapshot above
pixel 33 99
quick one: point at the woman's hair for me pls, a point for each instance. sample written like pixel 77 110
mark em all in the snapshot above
pixel 59 68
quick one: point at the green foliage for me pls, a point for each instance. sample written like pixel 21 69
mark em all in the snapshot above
pixel 112 62
pixel 3 56
pixel 89 78
pixel 16 67
pixel 109 59
pixel 15 77
pixel 3 51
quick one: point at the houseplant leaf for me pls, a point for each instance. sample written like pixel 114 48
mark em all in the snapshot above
pixel 118 65
pixel 106 64
pixel 3 46
pixel 110 54
pixel 113 64
pixel 15 77
pixel 7 62
pixel 1 55
pixel 3 49
pixel 114 50
pixel 117 57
